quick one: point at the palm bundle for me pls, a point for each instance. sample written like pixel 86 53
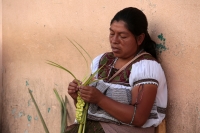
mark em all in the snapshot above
pixel 81 106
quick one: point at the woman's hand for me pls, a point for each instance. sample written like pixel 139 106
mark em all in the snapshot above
pixel 73 88
pixel 90 94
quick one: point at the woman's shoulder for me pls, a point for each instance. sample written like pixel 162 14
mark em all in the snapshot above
pixel 101 58
pixel 145 68
pixel 145 61
pixel 147 64
pixel 146 57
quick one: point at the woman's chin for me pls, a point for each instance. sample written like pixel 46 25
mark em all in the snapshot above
pixel 116 54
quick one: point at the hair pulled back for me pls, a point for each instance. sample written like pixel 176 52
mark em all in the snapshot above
pixel 136 23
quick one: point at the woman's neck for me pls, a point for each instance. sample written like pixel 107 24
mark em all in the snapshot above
pixel 120 62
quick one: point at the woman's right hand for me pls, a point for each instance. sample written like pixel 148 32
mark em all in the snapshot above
pixel 73 88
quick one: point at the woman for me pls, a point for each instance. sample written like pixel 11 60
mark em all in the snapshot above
pixel 134 99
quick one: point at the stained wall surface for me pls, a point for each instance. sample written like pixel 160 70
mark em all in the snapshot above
pixel 36 31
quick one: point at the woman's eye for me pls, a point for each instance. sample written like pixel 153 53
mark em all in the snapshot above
pixel 112 34
pixel 123 37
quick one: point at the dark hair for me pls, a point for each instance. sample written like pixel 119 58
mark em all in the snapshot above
pixel 136 23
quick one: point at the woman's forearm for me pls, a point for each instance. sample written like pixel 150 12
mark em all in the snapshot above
pixel 120 111
pixel 125 112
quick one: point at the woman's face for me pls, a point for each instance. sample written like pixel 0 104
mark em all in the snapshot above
pixel 123 42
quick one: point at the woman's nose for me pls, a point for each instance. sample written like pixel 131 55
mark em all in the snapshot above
pixel 115 39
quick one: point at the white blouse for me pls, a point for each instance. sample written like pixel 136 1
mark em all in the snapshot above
pixel 146 72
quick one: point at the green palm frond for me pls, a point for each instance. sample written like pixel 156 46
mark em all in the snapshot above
pixel 63 111
pixel 82 55
pixel 91 78
pixel 39 113
pixel 59 66
pixel 80 52
pixel 84 50
pixel 82 107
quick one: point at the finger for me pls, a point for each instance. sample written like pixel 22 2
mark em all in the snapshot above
pixel 82 90
pixel 73 84
pixel 85 92
pixel 72 89
pixel 76 81
pixel 84 97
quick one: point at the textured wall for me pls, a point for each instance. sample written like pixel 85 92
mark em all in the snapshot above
pixel 1 89
pixel 35 31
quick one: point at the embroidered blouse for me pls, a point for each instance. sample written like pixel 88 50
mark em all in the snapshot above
pixel 144 70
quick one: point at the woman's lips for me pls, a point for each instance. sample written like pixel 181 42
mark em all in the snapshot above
pixel 115 50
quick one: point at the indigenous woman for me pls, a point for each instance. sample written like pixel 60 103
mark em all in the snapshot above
pixel 132 97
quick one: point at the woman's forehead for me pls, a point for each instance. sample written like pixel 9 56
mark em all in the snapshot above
pixel 119 26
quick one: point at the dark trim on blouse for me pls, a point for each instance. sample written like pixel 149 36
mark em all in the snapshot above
pixel 145 80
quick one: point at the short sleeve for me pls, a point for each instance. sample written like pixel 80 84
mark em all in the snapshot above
pixel 146 72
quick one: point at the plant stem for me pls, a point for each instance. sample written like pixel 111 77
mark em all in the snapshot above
pixel 40 115
pixel 80 128
pixel 85 117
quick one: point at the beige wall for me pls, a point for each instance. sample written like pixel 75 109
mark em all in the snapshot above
pixel 1 89
pixel 34 31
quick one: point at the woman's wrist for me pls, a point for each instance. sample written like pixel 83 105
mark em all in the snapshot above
pixel 101 100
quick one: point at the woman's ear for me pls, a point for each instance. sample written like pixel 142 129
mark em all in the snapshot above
pixel 140 38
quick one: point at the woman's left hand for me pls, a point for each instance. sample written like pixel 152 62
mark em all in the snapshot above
pixel 90 94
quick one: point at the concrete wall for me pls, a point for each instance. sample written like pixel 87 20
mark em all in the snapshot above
pixel 1 89
pixel 35 31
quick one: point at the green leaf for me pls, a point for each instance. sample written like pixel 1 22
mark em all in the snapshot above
pixel 90 79
pixel 81 52
pixel 86 81
pixel 61 67
pixel 63 111
pixel 39 113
